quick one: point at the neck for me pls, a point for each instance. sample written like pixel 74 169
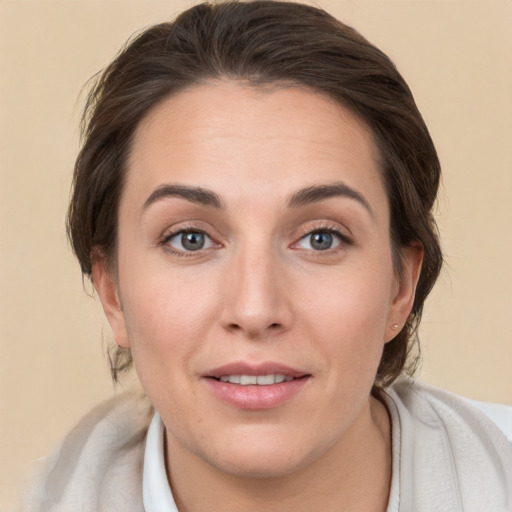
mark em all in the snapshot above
pixel 354 474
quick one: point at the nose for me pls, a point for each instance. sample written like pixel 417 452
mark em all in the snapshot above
pixel 256 302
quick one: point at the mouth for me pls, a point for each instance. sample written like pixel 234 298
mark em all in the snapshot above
pixel 263 386
pixel 261 374
pixel 256 380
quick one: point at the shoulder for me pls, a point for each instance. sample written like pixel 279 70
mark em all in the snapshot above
pixel 426 400
pixel 98 466
pixel 501 415
pixel 449 450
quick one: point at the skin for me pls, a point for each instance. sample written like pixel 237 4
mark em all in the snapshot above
pixel 260 290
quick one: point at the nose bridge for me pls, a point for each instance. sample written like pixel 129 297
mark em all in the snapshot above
pixel 255 303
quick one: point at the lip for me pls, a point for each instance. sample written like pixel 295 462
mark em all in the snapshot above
pixel 244 368
pixel 254 397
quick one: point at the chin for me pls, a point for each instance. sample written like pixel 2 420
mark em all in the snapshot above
pixel 255 457
pixel 264 466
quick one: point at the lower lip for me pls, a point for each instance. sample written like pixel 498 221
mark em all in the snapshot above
pixel 255 397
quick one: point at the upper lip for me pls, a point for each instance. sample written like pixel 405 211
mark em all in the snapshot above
pixel 245 368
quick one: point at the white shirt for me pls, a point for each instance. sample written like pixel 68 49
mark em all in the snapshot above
pixel 447 456
pixel 156 492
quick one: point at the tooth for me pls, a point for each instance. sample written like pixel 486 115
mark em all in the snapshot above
pixel 247 380
pixel 260 380
pixel 265 380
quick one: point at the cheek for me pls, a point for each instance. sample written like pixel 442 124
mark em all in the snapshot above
pixel 167 318
pixel 347 318
pixel 357 301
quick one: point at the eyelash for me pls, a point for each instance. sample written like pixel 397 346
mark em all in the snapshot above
pixel 164 242
pixel 343 239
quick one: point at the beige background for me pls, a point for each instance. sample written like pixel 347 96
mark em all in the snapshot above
pixel 456 55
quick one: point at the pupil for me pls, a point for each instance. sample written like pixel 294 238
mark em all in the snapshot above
pixel 192 241
pixel 321 241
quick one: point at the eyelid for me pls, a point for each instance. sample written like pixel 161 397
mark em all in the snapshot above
pixel 335 236
pixel 343 239
pixel 181 232
pixel 328 226
pixel 187 228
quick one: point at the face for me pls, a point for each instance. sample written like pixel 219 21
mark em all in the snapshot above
pixel 255 282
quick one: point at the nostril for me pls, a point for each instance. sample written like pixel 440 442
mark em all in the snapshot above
pixel 237 327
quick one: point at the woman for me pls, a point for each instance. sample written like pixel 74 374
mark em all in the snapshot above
pixel 253 205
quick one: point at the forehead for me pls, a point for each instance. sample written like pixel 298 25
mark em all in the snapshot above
pixel 270 140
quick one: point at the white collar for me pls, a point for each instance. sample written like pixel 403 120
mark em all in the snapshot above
pixel 156 491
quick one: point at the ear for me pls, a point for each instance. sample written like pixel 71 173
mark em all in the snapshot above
pixel 107 289
pixel 405 290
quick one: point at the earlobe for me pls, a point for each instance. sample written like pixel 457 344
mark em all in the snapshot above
pixel 403 300
pixel 107 290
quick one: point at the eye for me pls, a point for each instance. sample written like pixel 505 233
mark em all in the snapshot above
pixel 189 241
pixel 320 240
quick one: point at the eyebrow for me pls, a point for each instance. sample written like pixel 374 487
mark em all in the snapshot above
pixel 300 198
pixel 197 195
pixel 318 193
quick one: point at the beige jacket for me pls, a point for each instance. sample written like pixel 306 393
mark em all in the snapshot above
pixel 98 467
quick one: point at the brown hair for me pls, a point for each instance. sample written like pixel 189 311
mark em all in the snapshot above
pixel 260 42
